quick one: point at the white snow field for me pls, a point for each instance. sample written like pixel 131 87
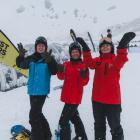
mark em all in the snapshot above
pixel 14 105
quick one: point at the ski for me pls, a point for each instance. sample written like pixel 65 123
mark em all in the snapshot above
pixel 73 35
pixel 102 36
pixel 91 41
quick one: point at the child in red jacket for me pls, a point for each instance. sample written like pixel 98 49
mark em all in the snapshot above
pixel 75 75
pixel 106 95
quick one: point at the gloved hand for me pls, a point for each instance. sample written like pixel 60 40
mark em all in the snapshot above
pixel 60 68
pixel 127 37
pixel 22 51
pixel 47 56
pixel 83 73
pixel 83 44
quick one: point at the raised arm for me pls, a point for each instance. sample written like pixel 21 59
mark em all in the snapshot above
pixel 87 58
pixel 21 61
pixel 121 57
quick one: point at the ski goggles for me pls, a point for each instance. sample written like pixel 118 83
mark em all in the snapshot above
pixel 105 40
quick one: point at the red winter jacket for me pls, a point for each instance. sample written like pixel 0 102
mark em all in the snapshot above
pixel 106 87
pixel 72 90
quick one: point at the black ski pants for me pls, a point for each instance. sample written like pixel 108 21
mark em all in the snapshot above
pixel 101 112
pixel 40 129
pixel 70 113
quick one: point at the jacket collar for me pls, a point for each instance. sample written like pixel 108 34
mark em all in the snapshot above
pixel 75 60
pixel 107 56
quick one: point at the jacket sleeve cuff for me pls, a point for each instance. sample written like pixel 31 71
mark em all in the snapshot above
pixel 86 53
pixel 120 51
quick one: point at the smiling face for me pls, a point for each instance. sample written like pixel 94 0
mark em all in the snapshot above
pixel 106 48
pixel 40 48
pixel 75 54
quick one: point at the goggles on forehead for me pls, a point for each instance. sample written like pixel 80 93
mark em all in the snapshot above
pixel 106 39
pixel 74 44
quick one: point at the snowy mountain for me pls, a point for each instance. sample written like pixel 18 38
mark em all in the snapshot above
pixel 59 51
pixel 25 20
pixel 120 29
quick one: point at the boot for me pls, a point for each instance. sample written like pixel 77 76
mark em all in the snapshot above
pixel 118 137
pixel 100 138
pixel 79 138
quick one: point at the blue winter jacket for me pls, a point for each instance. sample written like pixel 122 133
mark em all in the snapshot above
pixel 39 78
pixel 39 74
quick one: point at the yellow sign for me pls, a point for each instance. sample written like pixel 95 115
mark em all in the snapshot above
pixel 8 53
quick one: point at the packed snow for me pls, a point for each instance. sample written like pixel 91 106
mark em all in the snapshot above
pixel 15 104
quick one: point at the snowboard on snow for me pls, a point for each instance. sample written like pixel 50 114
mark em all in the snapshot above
pixel 19 132
pixel 8 53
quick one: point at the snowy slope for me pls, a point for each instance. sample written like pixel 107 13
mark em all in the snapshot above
pixel 24 20
pixel 14 105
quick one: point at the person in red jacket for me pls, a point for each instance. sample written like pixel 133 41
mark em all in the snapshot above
pixel 106 95
pixel 75 75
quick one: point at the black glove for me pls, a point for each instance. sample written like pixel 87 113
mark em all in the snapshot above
pixel 22 51
pixel 47 56
pixel 127 37
pixel 60 68
pixel 83 73
pixel 83 44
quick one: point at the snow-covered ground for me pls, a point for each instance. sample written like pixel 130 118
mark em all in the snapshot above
pixel 14 104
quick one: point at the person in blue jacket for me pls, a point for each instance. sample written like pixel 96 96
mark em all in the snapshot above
pixel 41 66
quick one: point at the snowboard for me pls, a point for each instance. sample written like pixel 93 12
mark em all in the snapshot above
pixel 19 132
pixel 9 53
